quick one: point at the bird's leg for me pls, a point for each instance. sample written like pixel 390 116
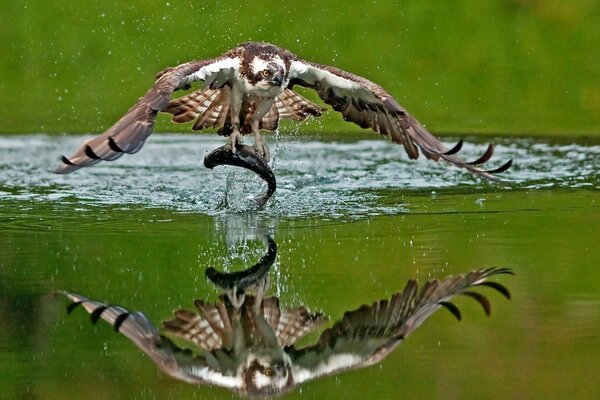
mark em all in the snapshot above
pixel 261 288
pixel 238 342
pixel 266 335
pixel 236 298
pixel 235 139
pixel 260 145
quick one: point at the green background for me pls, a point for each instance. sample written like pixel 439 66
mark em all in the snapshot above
pixel 496 66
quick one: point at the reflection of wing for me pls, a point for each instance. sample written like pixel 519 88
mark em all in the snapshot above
pixel 290 325
pixel 369 106
pixel 365 336
pixel 212 327
pixel 130 132
pixel 168 357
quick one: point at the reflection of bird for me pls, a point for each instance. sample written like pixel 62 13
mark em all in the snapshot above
pixel 250 88
pixel 251 350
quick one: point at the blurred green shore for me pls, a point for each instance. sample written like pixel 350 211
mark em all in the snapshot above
pixel 477 67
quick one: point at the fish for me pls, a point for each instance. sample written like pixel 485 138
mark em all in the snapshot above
pixel 246 157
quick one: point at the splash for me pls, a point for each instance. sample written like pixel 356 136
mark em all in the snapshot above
pixel 315 178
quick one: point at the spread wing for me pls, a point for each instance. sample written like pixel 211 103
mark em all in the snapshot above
pixel 131 131
pixel 167 356
pixel 367 335
pixel 369 106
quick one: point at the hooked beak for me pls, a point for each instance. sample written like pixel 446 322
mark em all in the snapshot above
pixel 277 79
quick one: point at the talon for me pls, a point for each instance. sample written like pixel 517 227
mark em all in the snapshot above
pixel 235 140
pixel 261 148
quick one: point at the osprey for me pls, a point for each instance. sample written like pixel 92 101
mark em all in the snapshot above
pixel 250 88
pixel 249 345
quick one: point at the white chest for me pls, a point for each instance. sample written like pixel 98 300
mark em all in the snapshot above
pixel 257 91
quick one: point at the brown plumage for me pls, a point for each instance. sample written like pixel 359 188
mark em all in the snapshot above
pixel 252 350
pixel 210 109
pixel 212 326
pixel 250 88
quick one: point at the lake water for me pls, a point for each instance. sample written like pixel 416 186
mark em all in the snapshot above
pixel 353 220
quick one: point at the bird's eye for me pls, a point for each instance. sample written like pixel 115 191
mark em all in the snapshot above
pixel 269 372
pixel 266 73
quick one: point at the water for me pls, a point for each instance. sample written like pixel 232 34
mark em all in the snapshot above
pixel 353 221
pixel 315 178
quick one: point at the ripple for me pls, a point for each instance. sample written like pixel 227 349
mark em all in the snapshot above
pixel 315 178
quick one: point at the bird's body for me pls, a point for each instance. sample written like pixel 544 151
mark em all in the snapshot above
pixel 251 88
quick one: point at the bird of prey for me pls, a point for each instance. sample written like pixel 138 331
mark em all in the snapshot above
pixel 250 347
pixel 250 88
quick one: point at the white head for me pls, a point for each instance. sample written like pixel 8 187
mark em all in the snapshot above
pixel 266 71
pixel 267 375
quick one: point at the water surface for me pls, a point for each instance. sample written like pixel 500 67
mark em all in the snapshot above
pixel 315 178
pixel 353 221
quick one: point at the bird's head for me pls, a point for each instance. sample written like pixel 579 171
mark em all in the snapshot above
pixel 268 72
pixel 267 375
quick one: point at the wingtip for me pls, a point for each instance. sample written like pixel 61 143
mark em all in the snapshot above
pixel 455 149
pixel 485 156
pixel 452 308
pixel 73 305
pixel 502 168
pixel 66 166
pixel 482 300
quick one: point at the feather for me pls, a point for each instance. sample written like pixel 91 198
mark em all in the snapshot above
pixel 368 105
pixel 359 100
pixel 368 334
pixel 242 343
pixel 129 133
pixel 169 358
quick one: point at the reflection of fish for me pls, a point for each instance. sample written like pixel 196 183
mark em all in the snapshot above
pixel 245 157
pixel 250 348
pixel 242 280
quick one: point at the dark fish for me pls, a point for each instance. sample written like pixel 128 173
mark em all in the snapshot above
pixel 245 157
pixel 248 277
